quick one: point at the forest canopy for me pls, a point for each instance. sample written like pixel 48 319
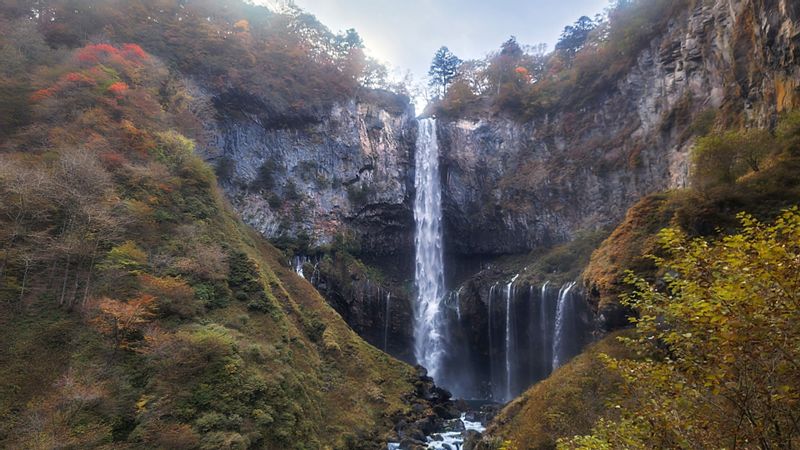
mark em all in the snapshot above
pixel 283 67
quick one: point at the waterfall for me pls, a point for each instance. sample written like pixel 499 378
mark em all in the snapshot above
pixel 458 303
pixel 543 324
pixel 429 271
pixel 561 312
pixel 298 262
pixel 491 343
pixel 386 321
pixel 509 295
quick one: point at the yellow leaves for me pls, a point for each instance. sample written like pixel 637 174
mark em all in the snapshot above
pixel 127 256
pixel 723 339
pixel 141 404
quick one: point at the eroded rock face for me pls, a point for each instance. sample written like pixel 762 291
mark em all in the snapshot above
pixel 510 187
pixel 349 173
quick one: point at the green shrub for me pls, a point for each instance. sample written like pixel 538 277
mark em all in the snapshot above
pixel 213 294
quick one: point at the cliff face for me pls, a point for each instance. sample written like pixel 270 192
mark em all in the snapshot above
pixel 348 173
pixel 509 187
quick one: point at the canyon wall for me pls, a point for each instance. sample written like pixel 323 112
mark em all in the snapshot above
pixel 510 186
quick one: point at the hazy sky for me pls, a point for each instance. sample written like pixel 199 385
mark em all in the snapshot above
pixel 406 33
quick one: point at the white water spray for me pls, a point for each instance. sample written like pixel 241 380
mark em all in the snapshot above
pixel 429 272
pixel 558 337
pixel 509 295
pixel 386 321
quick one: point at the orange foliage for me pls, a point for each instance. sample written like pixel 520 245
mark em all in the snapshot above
pixel 77 77
pixel 42 94
pixel 242 25
pixel 113 160
pixel 133 51
pixel 124 321
pixel 93 54
pixel 175 296
pixel 118 89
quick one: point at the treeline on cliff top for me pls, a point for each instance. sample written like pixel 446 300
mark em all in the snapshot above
pixel 590 56
pixel 282 68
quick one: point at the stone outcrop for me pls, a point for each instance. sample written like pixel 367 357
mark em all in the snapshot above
pixel 347 174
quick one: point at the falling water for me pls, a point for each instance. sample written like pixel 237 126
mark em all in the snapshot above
pixel 458 303
pixel 491 343
pixel 298 262
pixel 429 272
pixel 386 321
pixel 509 295
pixel 563 298
pixel 543 322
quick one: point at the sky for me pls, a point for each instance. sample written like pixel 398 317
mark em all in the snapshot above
pixel 406 33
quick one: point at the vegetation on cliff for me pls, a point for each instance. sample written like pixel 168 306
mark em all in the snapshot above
pixel 720 345
pixel 591 56
pixel 280 68
pixel 725 183
pixel 711 362
pixel 136 310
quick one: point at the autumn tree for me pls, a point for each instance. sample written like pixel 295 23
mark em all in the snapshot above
pixel 719 346
pixel 124 321
pixel 575 36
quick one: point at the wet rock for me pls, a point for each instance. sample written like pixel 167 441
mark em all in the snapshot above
pixel 411 432
pixel 413 444
pixel 471 440
pixel 454 425
pixel 447 411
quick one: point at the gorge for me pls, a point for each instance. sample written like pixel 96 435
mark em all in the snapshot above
pixel 223 225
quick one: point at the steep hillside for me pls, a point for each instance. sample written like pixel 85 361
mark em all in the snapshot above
pixel 138 310
pixel 310 148
pixel 569 402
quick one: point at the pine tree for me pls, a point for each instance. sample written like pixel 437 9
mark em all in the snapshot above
pixel 444 68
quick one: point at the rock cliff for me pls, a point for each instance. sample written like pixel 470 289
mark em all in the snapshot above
pixel 510 187
pixel 347 173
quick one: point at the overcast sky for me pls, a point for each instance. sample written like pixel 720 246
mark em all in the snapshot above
pixel 406 33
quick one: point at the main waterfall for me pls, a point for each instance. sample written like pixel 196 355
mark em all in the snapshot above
pixel 500 344
pixel 429 323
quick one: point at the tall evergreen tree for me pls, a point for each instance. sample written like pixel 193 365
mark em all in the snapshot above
pixel 574 36
pixel 444 68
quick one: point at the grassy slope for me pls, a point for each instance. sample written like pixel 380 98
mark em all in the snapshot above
pixel 239 352
pixel 569 402
pixel 343 386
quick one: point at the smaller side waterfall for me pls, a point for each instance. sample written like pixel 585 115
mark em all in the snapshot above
pixel 509 335
pixel 387 315
pixel 543 324
pixel 561 311
pixel 509 339
pixel 492 381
